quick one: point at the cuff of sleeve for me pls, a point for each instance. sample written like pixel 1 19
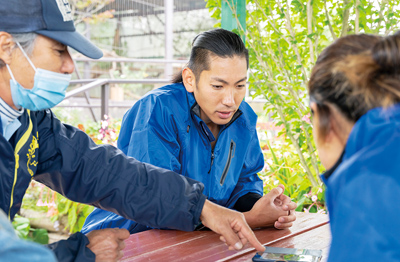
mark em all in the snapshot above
pixel 199 209
pixel 73 249
pixel 245 203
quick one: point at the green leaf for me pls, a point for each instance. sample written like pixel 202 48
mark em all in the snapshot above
pixel 21 226
pixel 72 217
pixel 40 236
pixel 300 203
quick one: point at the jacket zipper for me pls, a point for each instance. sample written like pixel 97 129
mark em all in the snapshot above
pixel 22 141
pixel 212 160
pixel 232 148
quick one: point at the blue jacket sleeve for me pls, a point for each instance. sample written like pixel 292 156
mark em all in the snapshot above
pixel 100 219
pixel 151 137
pixel 73 165
pixel 73 249
pixel 249 182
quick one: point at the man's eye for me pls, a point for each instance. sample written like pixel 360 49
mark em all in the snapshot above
pixel 61 50
pixel 216 87
pixel 241 86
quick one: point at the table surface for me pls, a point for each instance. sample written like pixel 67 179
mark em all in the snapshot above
pixel 309 231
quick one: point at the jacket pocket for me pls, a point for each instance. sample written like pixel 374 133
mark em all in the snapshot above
pixel 232 148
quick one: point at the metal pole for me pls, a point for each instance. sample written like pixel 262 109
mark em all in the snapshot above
pixel 87 96
pixel 228 18
pixel 105 96
pixel 169 12
pixel 86 68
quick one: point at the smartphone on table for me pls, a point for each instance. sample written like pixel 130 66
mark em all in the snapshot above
pixel 278 254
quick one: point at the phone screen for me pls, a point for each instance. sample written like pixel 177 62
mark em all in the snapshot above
pixel 288 254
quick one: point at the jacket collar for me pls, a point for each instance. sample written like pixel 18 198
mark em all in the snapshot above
pixel 373 128
pixel 8 113
pixel 330 171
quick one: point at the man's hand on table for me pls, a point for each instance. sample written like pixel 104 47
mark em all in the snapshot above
pixel 107 244
pixel 273 209
pixel 230 224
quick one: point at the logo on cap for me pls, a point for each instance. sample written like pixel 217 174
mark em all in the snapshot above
pixel 65 9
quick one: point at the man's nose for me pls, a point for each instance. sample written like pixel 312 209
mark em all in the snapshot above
pixel 229 98
pixel 68 65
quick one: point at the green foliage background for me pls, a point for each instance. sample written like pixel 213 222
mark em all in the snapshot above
pixel 284 39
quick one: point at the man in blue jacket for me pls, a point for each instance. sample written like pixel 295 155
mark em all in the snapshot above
pixel 201 128
pixel 35 69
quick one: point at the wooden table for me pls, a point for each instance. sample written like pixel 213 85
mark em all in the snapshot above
pixel 309 231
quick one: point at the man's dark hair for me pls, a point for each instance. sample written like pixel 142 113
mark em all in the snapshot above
pixel 218 42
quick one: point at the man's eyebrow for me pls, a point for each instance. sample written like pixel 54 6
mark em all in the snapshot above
pixel 225 82
pixel 241 80
pixel 59 45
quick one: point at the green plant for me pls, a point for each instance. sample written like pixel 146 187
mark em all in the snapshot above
pixel 24 231
pixel 41 198
pixel 76 213
pixel 286 170
pixel 284 39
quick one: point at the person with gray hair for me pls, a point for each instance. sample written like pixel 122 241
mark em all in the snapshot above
pixel 35 71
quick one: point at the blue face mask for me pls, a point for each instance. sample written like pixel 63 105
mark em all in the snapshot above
pixel 48 88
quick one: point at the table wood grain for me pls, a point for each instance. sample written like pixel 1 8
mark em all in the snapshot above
pixel 309 231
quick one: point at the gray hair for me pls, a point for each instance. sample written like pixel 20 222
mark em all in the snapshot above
pixel 26 40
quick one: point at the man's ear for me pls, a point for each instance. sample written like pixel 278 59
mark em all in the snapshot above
pixel 6 46
pixel 189 80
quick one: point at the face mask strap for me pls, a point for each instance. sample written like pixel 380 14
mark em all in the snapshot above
pixel 11 74
pixel 26 56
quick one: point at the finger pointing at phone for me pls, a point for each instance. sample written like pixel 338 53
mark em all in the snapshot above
pixel 231 225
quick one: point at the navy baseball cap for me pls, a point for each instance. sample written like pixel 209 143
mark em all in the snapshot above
pixel 51 18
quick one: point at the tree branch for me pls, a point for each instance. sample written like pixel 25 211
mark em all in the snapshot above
pixel 310 29
pixel 292 34
pixel 381 9
pixel 346 15
pixel 357 21
pixel 329 22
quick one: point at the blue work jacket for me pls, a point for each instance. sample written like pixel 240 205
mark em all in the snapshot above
pixel 363 191
pixel 164 128
pixel 66 160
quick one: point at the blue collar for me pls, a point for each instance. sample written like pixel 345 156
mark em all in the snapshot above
pixel 9 119
pixel 8 113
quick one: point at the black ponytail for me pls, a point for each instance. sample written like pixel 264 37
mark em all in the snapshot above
pixel 219 42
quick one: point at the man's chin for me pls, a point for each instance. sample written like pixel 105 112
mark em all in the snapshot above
pixel 222 122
